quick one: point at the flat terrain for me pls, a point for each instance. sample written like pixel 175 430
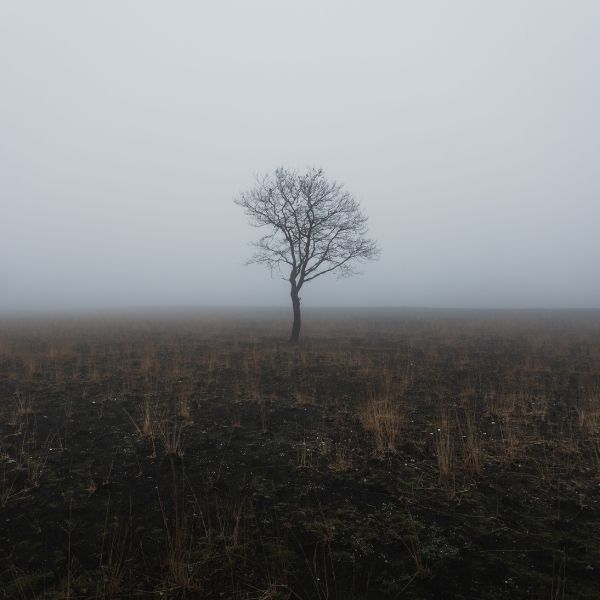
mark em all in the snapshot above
pixel 392 454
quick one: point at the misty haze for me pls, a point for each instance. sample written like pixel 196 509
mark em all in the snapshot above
pixel 469 133
pixel 300 300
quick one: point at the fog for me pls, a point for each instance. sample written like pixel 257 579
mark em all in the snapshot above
pixel 469 132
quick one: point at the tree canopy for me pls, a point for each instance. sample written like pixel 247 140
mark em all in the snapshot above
pixel 316 227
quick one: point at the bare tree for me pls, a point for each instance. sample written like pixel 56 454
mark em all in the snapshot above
pixel 315 227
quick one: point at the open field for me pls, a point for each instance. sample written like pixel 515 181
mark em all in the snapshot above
pixel 392 454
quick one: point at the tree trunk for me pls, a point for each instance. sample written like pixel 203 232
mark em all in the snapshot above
pixel 297 320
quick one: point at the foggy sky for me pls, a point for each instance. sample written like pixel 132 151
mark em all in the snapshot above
pixel 469 132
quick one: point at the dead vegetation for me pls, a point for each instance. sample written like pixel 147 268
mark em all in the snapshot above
pixel 204 455
pixel 383 418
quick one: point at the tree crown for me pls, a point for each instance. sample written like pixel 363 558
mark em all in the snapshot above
pixel 316 227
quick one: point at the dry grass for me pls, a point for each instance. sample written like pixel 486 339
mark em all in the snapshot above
pixel 146 426
pixel 512 439
pixel 170 432
pixel 184 395
pixel 473 443
pixel 588 415
pixel 23 409
pixel 35 469
pixel 444 446
pixel 302 398
pixel 116 556
pixel 8 489
pixel 384 419
pixel 341 460
pixel 304 455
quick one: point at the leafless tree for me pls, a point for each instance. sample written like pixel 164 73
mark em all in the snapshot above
pixel 315 227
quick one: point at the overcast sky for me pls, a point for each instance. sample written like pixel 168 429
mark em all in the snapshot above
pixel 469 132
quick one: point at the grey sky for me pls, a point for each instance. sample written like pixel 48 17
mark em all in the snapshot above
pixel 469 131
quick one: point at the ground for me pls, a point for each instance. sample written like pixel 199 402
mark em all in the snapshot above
pixel 391 454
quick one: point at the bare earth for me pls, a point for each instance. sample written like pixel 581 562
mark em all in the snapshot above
pixel 391 454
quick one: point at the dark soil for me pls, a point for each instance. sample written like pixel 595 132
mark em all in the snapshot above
pixel 258 475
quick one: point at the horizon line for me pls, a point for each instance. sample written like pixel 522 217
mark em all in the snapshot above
pixel 89 310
